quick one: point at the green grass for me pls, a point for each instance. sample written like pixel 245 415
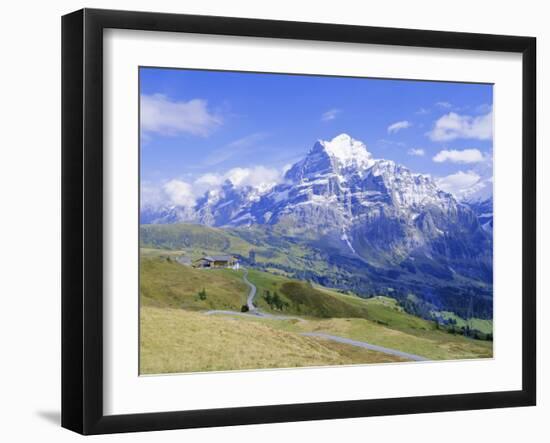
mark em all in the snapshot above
pixel 305 299
pixel 482 325
pixel 302 298
pixel 194 237
pixel 432 344
pixel 377 320
pixel 166 283
pixel 273 247
pixel 158 253
pixel 176 340
pixel 196 240
pixel 386 311
pixel 315 301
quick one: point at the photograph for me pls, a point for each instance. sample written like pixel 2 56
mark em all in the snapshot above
pixel 291 220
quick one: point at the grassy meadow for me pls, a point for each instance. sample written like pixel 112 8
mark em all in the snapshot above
pixel 176 340
pixel 166 283
pixel 176 334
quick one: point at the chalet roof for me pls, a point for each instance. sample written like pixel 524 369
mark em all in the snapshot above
pixel 219 258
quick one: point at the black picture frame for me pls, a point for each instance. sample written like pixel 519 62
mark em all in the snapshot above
pixel 82 219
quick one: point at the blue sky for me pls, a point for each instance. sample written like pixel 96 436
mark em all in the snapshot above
pixel 198 126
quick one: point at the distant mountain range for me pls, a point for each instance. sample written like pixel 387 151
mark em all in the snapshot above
pixel 364 213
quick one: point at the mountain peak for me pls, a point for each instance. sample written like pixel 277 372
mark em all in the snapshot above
pixel 347 151
pixel 343 137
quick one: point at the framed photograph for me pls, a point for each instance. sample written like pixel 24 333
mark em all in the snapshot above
pixel 269 221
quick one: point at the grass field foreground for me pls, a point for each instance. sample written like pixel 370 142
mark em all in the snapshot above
pixel 175 340
pixel 177 337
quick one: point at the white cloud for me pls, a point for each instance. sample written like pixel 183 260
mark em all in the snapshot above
pixel 258 177
pixel 418 152
pixel 150 195
pixel 398 126
pixel 479 191
pixel 185 193
pixel 467 186
pixel 161 115
pixel 445 105
pixel 455 156
pixel 483 108
pixel 458 182
pixel 209 180
pixel 475 184
pixel 452 126
pixel 179 193
pixel 422 111
pixel 330 114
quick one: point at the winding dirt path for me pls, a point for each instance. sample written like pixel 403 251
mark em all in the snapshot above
pixel 254 311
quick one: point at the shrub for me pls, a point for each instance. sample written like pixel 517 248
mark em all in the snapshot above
pixel 202 294
pixel 275 301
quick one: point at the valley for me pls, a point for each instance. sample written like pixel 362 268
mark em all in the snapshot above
pixel 268 249
pixel 176 335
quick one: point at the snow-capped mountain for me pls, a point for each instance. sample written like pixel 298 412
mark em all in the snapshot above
pixel 224 206
pixel 368 209
pixel 165 214
pixel 340 175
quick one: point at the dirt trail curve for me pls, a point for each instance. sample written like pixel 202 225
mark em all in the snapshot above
pixel 254 311
pixel 364 344
pixel 251 294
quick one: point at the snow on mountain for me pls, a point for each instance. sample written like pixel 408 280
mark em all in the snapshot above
pixel 340 182
pixel 348 152
pixel 483 208
pixel 219 207
pixel 479 196
pixel 474 185
pixel 480 191
pixel 164 214
pixel 338 156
